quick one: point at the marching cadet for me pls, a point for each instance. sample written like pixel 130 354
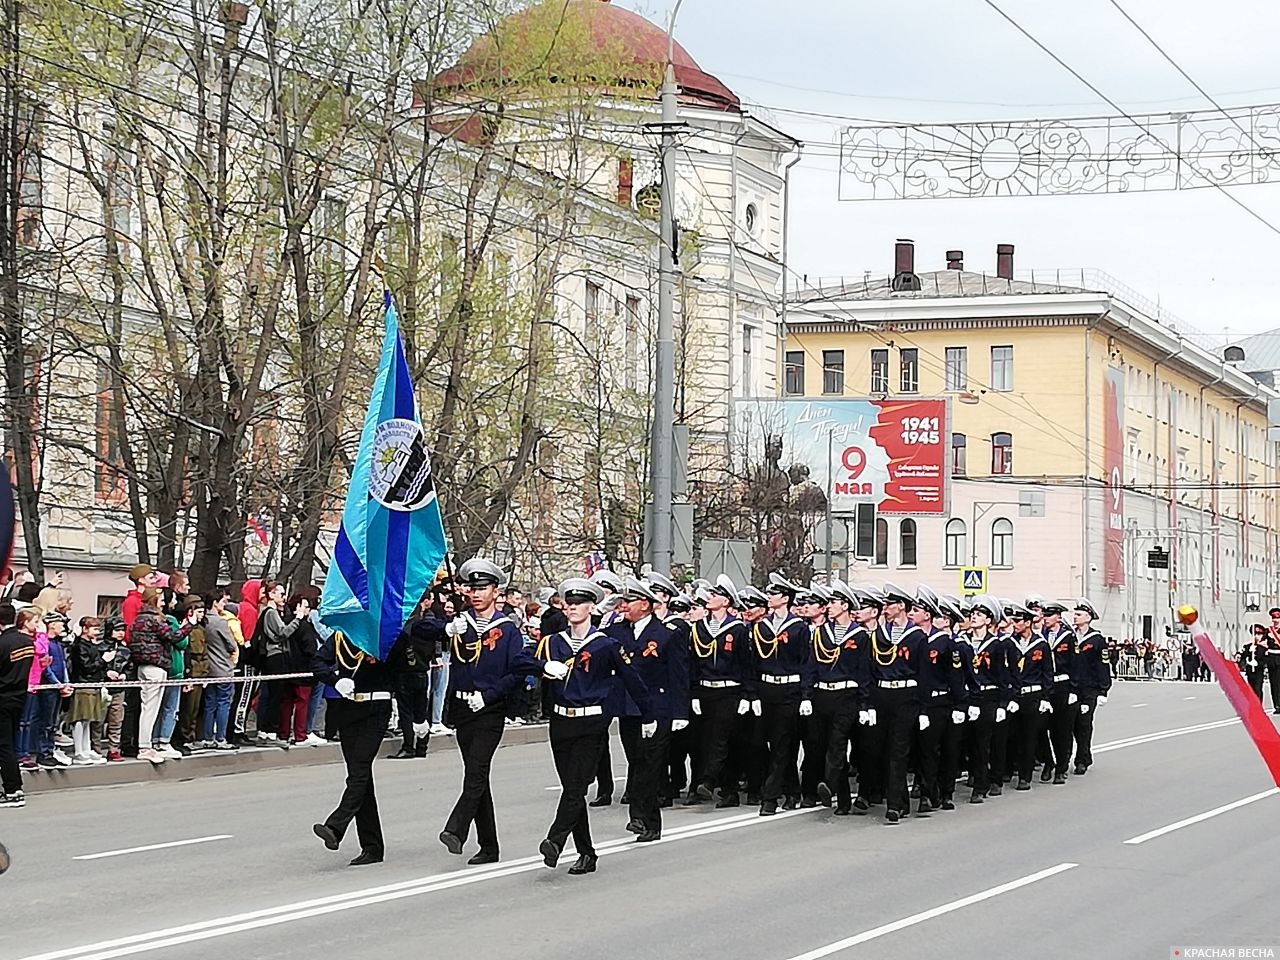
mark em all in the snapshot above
pixel 673 608
pixel 1062 642
pixel 944 695
pixel 747 752
pixel 488 664
pixel 897 647
pixel 959 736
pixel 610 610
pixel 1035 686
pixel 841 669
pixel 1273 658
pixel 721 690
pixel 1092 680
pixel 361 716
pixel 1004 741
pixel 586 663
pixel 780 658
pixel 994 691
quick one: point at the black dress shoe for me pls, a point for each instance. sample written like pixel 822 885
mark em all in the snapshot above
pixel 842 811
pixel 976 798
pixel 728 801
pixel 1081 770
pixel 704 791
pixel 452 841
pixel 860 805
pixel 484 856
pixel 635 826
pixel 790 802
pixel 891 816
pixel 1023 784
pixel 366 857
pixel 996 790
pixel 584 864
pixel 1060 778
pixel 948 803
pixel 401 754
pixel 648 836
pixel 1046 774
pixel 601 801
pixel 550 852
pixel 925 808
pixel 769 808
pixel 327 834
pixel 824 793
pixel 808 803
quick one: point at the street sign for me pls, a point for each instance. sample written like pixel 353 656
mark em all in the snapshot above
pixel 1158 559
pixel 973 580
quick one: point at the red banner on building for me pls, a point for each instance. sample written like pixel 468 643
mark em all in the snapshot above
pixel 1113 485
pixel 915 437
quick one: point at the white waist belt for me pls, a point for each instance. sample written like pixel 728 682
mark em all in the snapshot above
pixel 939 693
pixel 720 684
pixel 578 711
pixel 1060 677
pixel 897 684
pixel 1034 688
pixel 837 685
pixel 374 695
pixel 770 678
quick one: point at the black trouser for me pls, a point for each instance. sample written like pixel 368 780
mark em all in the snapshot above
pixel 929 742
pixel 1030 722
pixel 361 726
pixel 1256 676
pixel 478 736
pixel 682 746
pixel 132 718
pixel 644 779
pixel 719 721
pixel 1061 722
pixel 953 739
pixel 1273 674
pixel 629 734
pixel 11 709
pixel 604 770
pixel 244 698
pixel 982 763
pixel 776 730
pixel 413 702
pixel 1082 724
pixel 269 706
pixel 897 715
pixel 744 763
pixel 576 743
pixel 835 715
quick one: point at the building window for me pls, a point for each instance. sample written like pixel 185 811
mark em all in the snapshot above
pixel 748 362
pixel 907 543
pixel 1002 368
pixel 1002 543
pixel 625 179
pixel 793 382
pixel 630 375
pixel 958 460
pixel 833 371
pixel 881 558
pixel 751 217
pixel 592 307
pixel 910 363
pixel 1001 454
pixel 956 543
pixel 879 371
pixel 957 368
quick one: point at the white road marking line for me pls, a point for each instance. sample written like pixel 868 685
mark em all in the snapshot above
pixel 1226 807
pixel 1137 705
pixel 1188 698
pixel 153 846
pixel 271 916
pixel 896 925
pixel 1164 735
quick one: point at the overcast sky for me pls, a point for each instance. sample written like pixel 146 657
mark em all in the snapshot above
pixel 1194 252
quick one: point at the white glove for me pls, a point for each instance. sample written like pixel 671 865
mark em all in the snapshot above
pixel 1046 706
pixel 678 725
pixel 806 708
pixel 924 722
pixel 863 718
pixel 422 729
pixel 475 701
pixel 555 669
pixel 957 716
pixel 1000 714
pixel 1084 708
pixel 647 730
pixel 1013 706
pixel 456 627
pixel 696 706
pixel 743 707
pixel 756 707
pixel 975 713
pixel 345 687
pixel 871 717
pixel 1072 698
pixel 1102 700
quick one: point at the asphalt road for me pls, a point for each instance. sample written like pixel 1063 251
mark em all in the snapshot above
pixel 1047 873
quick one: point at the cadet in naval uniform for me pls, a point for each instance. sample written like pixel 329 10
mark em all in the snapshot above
pixel 1062 641
pixel 1035 687
pixel 362 715
pixel 993 693
pixel 610 610
pixel 721 690
pixel 587 664
pixel 944 699
pixel 489 663
pixel 840 651
pixel 1092 680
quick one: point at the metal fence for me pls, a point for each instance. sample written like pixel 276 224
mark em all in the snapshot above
pixel 1134 667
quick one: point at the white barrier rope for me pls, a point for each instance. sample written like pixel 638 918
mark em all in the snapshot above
pixel 189 682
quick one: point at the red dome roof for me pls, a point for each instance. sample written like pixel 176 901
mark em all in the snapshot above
pixel 639 46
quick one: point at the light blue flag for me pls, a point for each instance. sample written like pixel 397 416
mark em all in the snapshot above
pixel 391 542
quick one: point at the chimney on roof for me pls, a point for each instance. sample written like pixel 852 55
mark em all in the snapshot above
pixel 1004 261
pixel 1233 355
pixel 904 266
pixel 955 259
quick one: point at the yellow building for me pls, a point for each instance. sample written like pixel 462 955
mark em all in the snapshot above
pixel 1179 461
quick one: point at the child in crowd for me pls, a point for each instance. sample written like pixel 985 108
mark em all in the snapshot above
pixel 119 668
pixel 91 657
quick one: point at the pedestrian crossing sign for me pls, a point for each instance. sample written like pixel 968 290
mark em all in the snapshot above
pixel 973 580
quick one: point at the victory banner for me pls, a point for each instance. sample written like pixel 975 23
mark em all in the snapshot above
pixel 1113 484
pixel 892 453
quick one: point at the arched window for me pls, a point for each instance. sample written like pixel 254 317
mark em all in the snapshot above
pixel 1002 543
pixel 907 543
pixel 1001 454
pixel 956 543
pixel 882 542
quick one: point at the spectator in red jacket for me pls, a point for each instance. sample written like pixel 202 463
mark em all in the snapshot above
pixel 143 576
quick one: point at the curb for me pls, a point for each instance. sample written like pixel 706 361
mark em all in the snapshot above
pixel 225 763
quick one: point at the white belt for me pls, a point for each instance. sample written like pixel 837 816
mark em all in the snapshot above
pixel 939 693
pixel 374 695
pixel 1060 677
pixel 720 684
pixel 897 684
pixel 578 711
pixel 837 685
pixel 770 678
pixel 989 686
pixel 1034 688
pixel 463 694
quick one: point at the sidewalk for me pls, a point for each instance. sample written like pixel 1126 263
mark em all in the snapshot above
pixel 218 763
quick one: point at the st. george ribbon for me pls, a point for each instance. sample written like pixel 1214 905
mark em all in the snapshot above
pixel 1247 707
